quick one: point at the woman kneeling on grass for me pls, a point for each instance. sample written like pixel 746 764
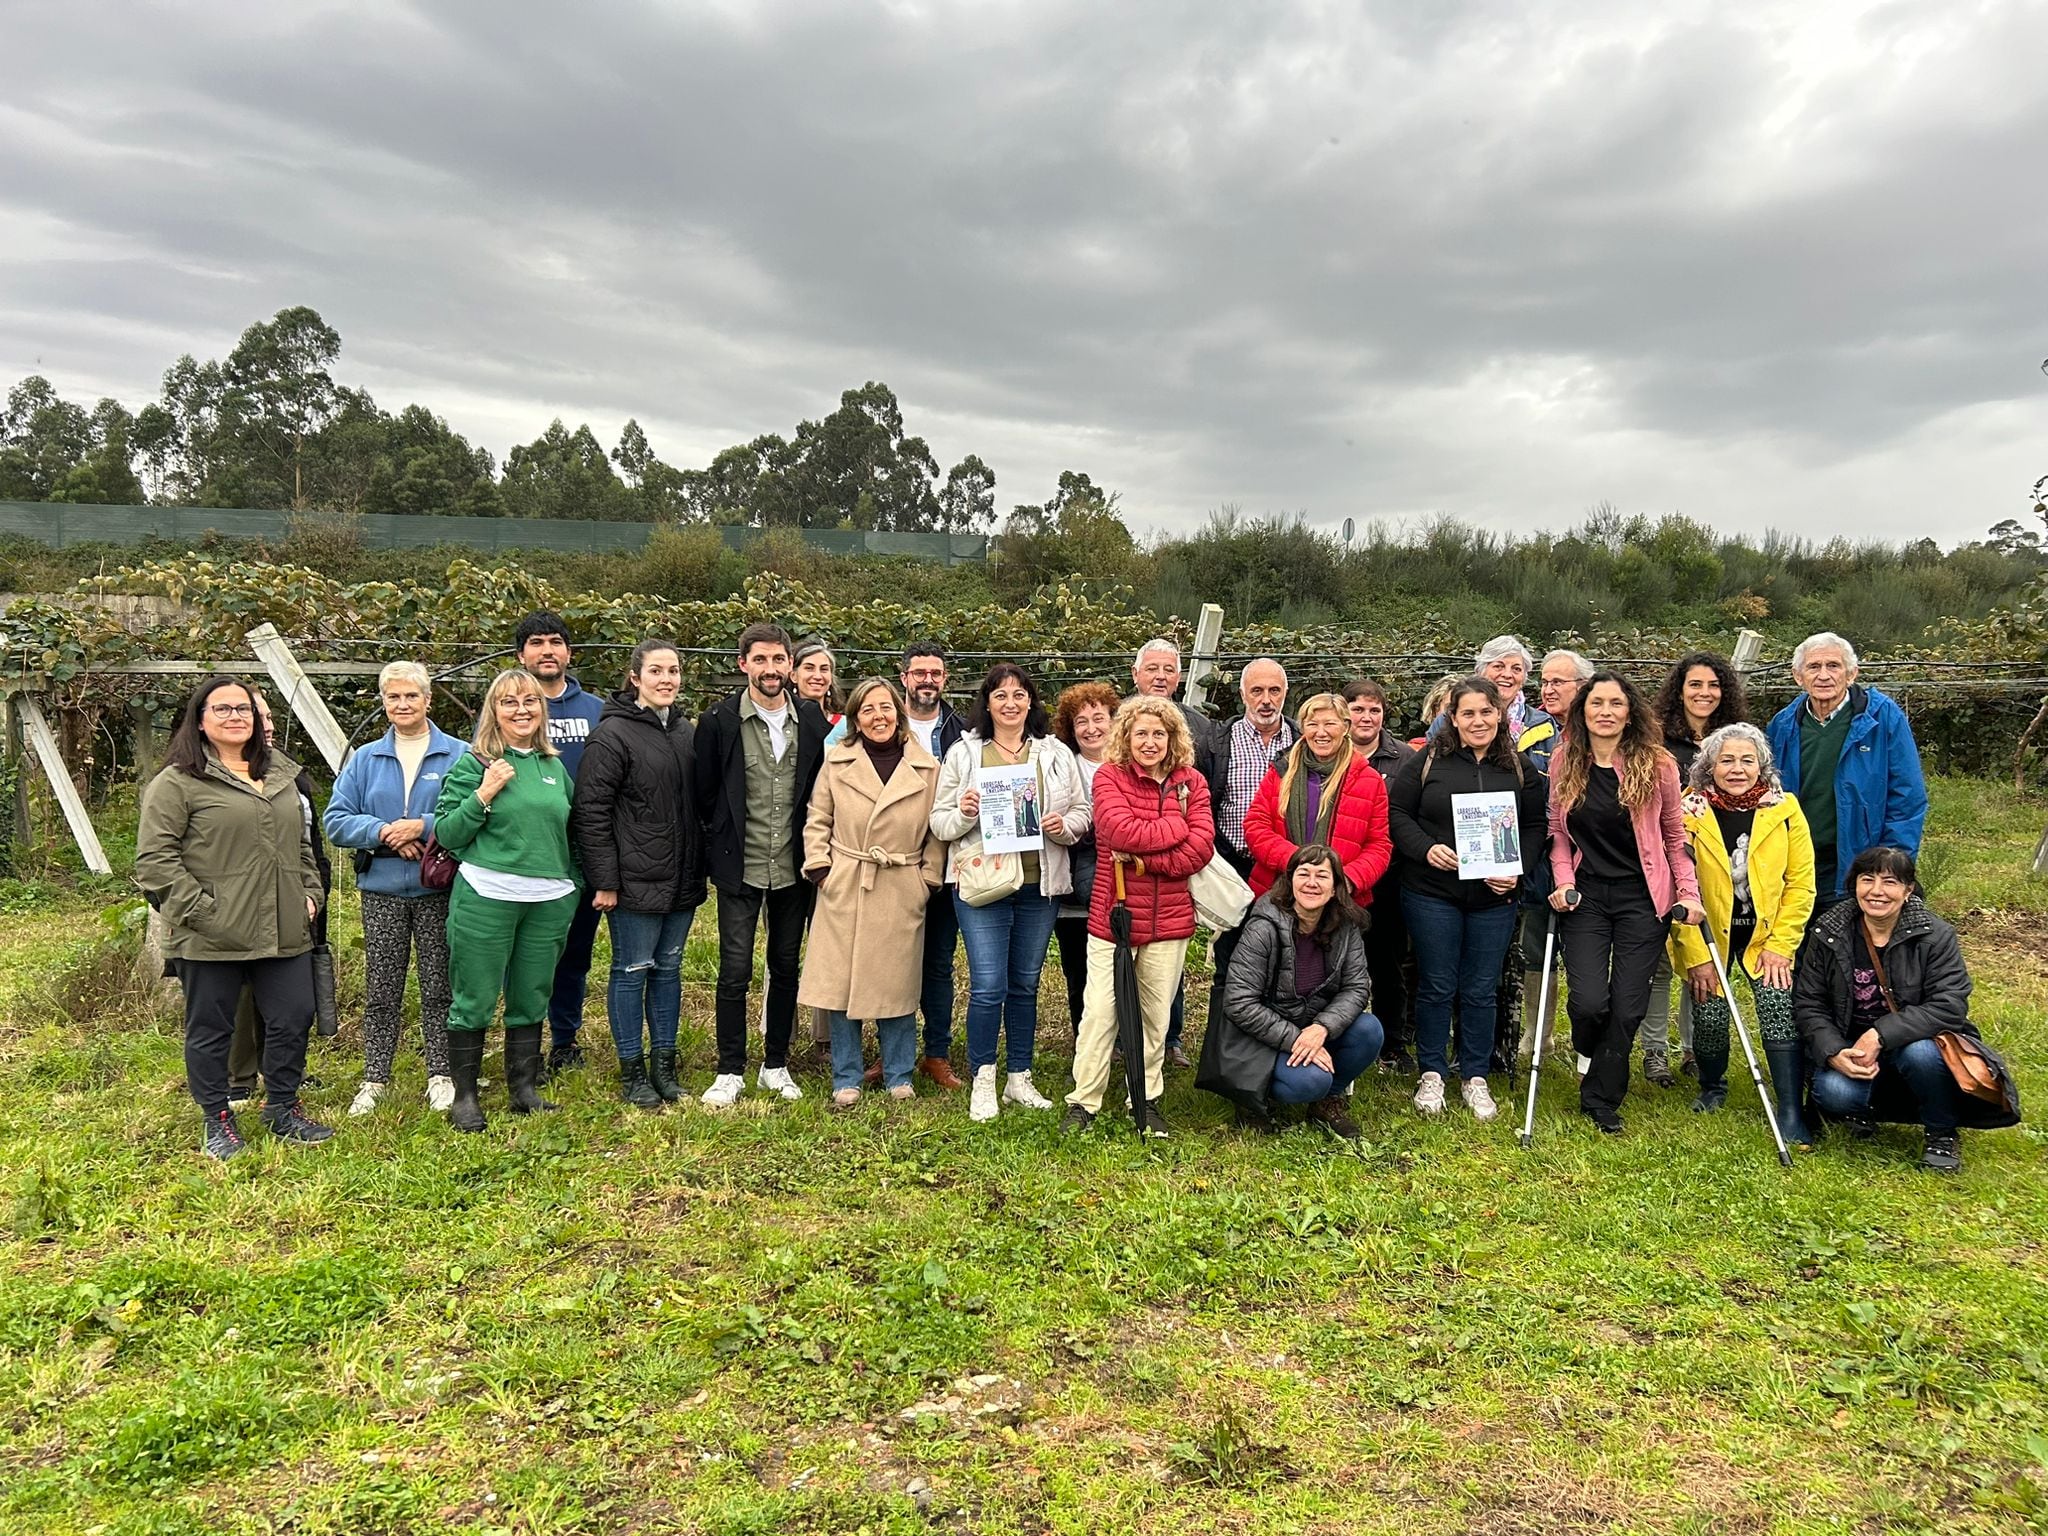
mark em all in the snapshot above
pixel 1882 980
pixel 1152 818
pixel 868 846
pixel 1754 859
pixel 504 811
pixel 1290 1016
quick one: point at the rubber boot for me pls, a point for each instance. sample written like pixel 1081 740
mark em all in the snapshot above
pixel 522 1070
pixel 1788 1080
pixel 1713 1070
pixel 634 1087
pixel 661 1076
pixel 465 1057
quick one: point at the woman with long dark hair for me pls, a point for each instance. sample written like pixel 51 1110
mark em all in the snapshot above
pixel 1623 869
pixel 1006 935
pixel 1461 928
pixel 224 852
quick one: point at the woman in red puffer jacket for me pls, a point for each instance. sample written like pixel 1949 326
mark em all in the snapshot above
pixel 1296 804
pixel 1153 823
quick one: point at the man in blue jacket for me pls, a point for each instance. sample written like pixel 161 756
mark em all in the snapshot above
pixel 542 641
pixel 1848 752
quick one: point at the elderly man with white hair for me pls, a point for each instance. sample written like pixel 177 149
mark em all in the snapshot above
pixel 1245 750
pixel 1848 752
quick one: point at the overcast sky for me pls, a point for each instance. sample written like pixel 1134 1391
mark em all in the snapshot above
pixel 1769 264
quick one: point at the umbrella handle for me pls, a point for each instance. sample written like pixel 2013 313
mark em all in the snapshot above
pixel 1118 863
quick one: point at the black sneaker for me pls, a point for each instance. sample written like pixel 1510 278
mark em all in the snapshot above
pixel 1257 1124
pixel 1155 1122
pixel 223 1137
pixel 1608 1121
pixel 1944 1153
pixel 1861 1127
pixel 566 1057
pixel 288 1122
pixel 1397 1062
pixel 1076 1120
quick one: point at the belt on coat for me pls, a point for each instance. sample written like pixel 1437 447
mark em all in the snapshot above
pixel 874 858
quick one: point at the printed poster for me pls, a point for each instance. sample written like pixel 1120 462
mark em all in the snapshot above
pixel 1010 812
pixel 1489 835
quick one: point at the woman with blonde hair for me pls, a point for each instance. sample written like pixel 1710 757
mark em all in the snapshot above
pixel 1153 828
pixel 1321 792
pixel 1623 871
pixel 504 811
pixel 868 847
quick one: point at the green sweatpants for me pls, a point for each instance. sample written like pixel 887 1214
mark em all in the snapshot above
pixel 503 946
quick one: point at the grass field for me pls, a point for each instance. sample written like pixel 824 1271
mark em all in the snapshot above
pixel 781 1319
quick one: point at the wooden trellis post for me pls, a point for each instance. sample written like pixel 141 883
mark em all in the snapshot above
pixel 44 742
pixel 300 696
pixel 1208 640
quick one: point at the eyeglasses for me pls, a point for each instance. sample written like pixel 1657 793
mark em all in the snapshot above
pixel 927 675
pixel 230 711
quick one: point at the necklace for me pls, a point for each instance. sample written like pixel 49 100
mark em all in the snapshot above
pixel 1015 754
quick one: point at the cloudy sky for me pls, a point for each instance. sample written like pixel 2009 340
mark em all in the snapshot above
pixel 1775 264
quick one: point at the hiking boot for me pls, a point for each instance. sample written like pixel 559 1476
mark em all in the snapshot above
pixel 1334 1116
pixel 522 1071
pixel 661 1077
pixel 1608 1121
pixel 223 1138
pixel 1155 1122
pixel 940 1071
pixel 1689 1064
pixel 983 1105
pixel 1395 1059
pixel 1076 1120
pixel 725 1091
pixel 1943 1153
pixel 1429 1094
pixel 1256 1124
pixel 1478 1098
pixel 1657 1069
pixel 287 1122
pixel 634 1087
pixel 563 1056
pixel 1019 1089
pixel 465 1056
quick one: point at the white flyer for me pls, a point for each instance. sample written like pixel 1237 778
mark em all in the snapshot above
pixel 1489 834
pixel 1010 812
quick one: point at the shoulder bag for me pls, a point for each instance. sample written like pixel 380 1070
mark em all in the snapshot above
pixel 1980 1073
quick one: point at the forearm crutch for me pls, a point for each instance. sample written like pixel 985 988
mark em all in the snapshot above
pixel 1742 1033
pixel 1542 1018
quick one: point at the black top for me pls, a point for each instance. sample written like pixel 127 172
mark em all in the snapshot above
pixel 1686 750
pixel 1419 817
pixel 1601 830
pixel 1866 998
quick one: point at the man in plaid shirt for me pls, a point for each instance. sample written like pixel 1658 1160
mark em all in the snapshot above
pixel 1245 749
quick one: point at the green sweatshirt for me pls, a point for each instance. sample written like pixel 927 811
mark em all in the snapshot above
pixel 524 831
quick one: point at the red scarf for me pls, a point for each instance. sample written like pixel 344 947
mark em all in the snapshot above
pixel 1748 800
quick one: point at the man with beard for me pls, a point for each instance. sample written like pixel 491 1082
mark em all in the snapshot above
pixel 936 725
pixel 758 755
pixel 1244 755
pixel 542 643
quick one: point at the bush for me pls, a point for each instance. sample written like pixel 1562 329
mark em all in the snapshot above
pixel 683 564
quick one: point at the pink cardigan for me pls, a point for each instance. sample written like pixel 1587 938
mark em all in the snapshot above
pixel 1660 841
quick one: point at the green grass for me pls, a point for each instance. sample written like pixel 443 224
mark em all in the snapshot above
pixel 611 1321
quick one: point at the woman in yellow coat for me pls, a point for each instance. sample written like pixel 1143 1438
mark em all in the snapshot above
pixel 1754 855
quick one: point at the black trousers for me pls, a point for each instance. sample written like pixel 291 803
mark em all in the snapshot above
pixel 1611 943
pixel 1387 961
pixel 283 994
pixel 739 917
pixel 1072 933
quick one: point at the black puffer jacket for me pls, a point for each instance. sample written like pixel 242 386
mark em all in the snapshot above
pixel 1419 817
pixel 1256 1014
pixel 1923 962
pixel 634 822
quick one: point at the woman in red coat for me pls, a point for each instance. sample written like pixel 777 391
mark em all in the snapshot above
pixel 1152 819
pixel 1321 792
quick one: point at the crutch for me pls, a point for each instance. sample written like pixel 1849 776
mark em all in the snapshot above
pixel 1742 1033
pixel 1542 1018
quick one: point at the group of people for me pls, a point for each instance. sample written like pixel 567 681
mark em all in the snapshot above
pixel 1645 842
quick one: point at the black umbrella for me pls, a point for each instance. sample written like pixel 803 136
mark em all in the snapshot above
pixel 1130 1012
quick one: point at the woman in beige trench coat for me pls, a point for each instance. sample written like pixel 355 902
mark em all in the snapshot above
pixel 869 848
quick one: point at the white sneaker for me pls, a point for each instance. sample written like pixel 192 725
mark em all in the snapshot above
pixel 724 1091
pixel 367 1096
pixel 1478 1098
pixel 1021 1090
pixel 778 1080
pixel 440 1093
pixel 982 1105
pixel 1429 1094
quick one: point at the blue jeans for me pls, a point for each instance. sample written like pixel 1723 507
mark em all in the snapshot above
pixel 941 939
pixel 1912 1081
pixel 898 1039
pixel 647 978
pixel 1458 954
pixel 1006 944
pixel 1350 1053
pixel 572 974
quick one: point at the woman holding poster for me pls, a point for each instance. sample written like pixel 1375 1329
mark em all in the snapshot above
pixel 1010 803
pixel 1617 845
pixel 1459 878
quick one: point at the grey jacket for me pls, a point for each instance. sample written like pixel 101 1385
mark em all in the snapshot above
pixel 1260 1016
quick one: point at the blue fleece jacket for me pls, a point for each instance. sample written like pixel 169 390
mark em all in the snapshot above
pixel 369 794
pixel 1880 792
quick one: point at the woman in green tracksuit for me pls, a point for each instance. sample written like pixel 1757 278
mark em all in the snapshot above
pixel 504 812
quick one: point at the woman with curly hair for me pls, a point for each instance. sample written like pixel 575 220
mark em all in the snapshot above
pixel 1618 852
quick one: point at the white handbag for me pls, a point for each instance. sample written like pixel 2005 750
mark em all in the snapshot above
pixel 984 878
pixel 1221 896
